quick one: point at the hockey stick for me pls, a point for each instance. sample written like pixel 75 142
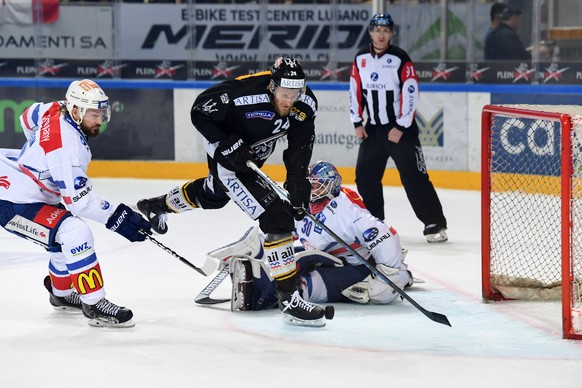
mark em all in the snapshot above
pixel 204 270
pixel 204 296
pixel 437 317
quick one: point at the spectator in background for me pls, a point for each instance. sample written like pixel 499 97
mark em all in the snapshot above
pixel 495 15
pixel 503 42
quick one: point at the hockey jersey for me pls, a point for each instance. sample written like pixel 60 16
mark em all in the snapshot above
pixel 386 87
pixel 243 107
pixel 366 234
pixel 52 165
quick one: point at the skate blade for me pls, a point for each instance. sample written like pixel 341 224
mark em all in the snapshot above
pixel 67 309
pixel 110 323
pixel 291 320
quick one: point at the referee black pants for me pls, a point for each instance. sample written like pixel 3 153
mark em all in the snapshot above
pixel 409 160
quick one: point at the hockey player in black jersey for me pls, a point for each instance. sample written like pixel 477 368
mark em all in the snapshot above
pixel 241 120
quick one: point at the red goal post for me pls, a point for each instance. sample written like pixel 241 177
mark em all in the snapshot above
pixel 531 196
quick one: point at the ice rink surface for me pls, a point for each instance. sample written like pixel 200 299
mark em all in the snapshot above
pixel 177 343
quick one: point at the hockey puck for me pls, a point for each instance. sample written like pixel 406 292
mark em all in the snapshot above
pixel 329 312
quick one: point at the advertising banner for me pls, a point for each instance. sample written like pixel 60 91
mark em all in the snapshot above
pixel 141 127
pixel 80 32
pixel 249 32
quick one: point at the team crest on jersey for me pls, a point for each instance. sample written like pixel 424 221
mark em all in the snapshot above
pixel 370 234
pixel 224 98
pixel 209 107
pixel 261 114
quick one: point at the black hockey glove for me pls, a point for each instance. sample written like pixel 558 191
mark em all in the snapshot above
pixel 128 223
pixel 233 154
pixel 299 190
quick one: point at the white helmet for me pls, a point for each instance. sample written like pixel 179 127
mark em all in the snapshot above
pixel 86 94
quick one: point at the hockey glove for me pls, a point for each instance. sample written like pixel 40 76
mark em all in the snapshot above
pixel 299 190
pixel 233 154
pixel 128 223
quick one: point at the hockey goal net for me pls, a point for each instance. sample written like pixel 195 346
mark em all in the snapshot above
pixel 532 207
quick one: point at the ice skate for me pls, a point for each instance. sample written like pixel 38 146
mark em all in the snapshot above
pixel 107 314
pixel 242 285
pixel 297 311
pixel 435 233
pixel 155 210
pixel 70 303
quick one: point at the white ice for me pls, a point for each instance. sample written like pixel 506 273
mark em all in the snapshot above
pixel 177 343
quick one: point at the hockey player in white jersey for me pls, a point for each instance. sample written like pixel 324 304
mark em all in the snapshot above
pixel 44 190
pixel 327 272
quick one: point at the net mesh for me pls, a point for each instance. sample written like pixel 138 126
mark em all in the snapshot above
pixel 525 206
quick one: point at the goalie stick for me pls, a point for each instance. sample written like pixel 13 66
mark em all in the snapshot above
pixel 204 296
pixel 436 317
pixel 206 270
pixel 245 247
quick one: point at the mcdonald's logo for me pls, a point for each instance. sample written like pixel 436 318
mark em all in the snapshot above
pixel 91 280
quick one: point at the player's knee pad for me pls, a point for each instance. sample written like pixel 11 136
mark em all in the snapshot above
pixel 198 194
pixel 74 236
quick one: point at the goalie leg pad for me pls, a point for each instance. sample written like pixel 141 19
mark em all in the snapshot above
pixel 242 284
pixel 248 245
pixel 373 289
pixel 380 292
pixel 252 287
pixel 308 261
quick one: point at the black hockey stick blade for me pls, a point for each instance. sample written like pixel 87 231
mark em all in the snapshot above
pixel 210 301
pixel 438 317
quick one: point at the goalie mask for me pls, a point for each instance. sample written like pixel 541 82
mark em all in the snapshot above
pixel 86 94
pixel 326 184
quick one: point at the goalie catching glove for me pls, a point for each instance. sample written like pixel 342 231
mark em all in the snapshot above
pixel 129 224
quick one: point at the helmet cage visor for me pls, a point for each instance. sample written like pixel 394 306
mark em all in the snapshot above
pixel 325 181
pixel 87 95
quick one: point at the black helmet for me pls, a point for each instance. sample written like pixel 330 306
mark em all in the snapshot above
pixel 288 73
pixel 382 19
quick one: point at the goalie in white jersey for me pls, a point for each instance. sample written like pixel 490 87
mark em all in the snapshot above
pixel 44 189
pixel 327 271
